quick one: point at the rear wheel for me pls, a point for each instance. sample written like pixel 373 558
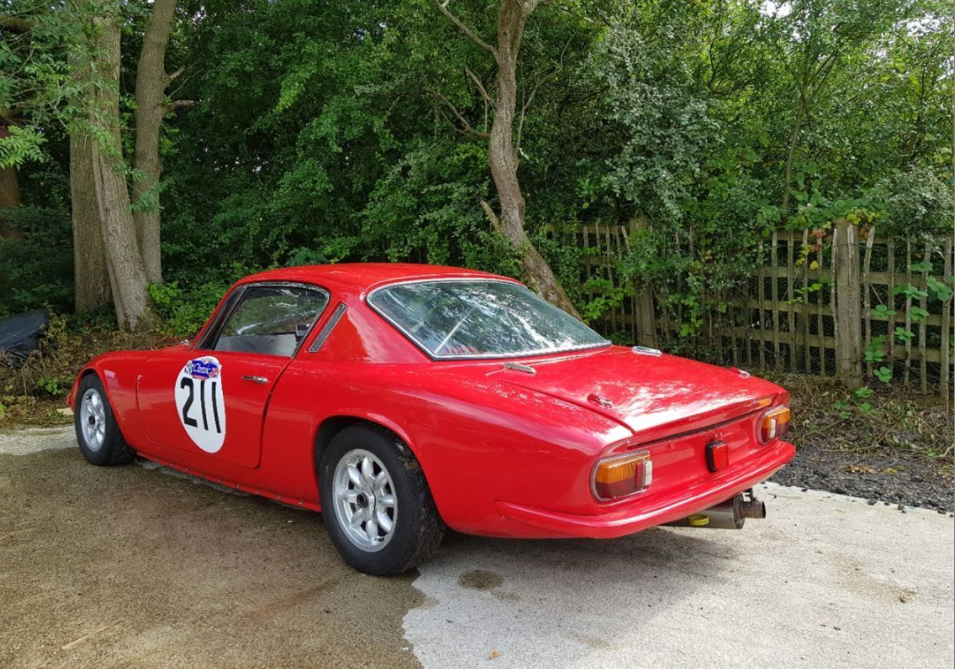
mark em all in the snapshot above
pixel 376 503
pixel 97 431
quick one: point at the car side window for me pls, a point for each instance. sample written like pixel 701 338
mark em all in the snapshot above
pixel 271 320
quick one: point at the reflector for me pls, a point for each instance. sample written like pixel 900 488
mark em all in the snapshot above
pixel 717 455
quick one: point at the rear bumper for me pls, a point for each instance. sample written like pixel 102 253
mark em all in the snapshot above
pixel 631 518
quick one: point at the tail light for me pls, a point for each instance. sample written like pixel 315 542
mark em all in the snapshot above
pixel 774 424
pixel 622 475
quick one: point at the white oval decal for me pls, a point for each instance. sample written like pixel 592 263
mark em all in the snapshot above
pixel 201 404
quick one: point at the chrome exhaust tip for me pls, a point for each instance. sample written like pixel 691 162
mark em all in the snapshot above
pixel 728 515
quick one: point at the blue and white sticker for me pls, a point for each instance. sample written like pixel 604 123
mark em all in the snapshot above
pixel 201 403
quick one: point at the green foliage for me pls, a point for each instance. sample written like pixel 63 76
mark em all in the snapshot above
pixel 882 311
pixel 20 146
pixel 883 374
pixel 903 335
pixel 608 297
pixel 37 268
pixel 875 351
pixel 941 290
pixel 52 387
pixel 909 291
pixel 185 311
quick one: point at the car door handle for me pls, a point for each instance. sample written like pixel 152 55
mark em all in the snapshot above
pixel 255 379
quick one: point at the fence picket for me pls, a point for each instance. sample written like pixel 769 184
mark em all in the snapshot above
pixel 890 297
pixel 761 291
pixel 945 345
pixel 908 312
pixel 923 325
pixel 790 318
pixel 821 330
pixel 867 297
pixel 774 291
pixel 805 303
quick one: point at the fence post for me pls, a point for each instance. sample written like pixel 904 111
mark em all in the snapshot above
pixel 848 312
pixel 643 316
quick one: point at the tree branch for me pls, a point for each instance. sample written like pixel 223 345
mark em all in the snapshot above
pixel 175 75
pixel 477 82
pixel 530 98
pixel 173 105
pixel 443 7
pixel 16 23
pixel 492 217
pixel 454 110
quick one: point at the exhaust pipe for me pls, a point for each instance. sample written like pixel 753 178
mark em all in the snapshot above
pixel 728 515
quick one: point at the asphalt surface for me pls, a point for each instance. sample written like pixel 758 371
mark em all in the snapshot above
pixel 134 566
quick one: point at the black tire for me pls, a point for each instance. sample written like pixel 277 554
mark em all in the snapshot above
pixel 417 528
pixel 113 450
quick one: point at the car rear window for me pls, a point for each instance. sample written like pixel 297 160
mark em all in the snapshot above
pixel 480 319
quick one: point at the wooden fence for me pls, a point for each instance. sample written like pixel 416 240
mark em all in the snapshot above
pixel 820 315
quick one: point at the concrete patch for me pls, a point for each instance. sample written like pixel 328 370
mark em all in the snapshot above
pixel 826 581
pixel 34 440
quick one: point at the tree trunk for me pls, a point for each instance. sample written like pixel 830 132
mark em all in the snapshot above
pixel 9 199
pixel 151 83
pixel 503 154
pixel 127 275
pixel 793 143
pixel 9 188
pixel 90 274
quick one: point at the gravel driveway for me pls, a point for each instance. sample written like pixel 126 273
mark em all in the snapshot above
pixel 134 566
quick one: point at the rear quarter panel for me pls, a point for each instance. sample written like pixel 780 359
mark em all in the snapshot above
pixel 477 440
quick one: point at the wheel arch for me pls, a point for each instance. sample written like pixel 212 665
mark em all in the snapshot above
pixel 86 371
pixel 332 425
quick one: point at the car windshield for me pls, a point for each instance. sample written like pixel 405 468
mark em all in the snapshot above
pixel 480 319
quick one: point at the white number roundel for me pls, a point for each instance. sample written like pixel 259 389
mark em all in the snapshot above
pixel 201 404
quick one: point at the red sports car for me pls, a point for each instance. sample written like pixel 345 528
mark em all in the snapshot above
pixel 403 399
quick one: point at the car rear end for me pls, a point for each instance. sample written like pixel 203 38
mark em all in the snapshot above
pixel 702 477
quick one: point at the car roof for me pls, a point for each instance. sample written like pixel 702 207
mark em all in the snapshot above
pixel 361 277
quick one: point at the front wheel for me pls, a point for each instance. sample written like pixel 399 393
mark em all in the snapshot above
pixel 97 431
pixel 376 504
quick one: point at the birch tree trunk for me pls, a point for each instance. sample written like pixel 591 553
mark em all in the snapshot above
pixel 151 83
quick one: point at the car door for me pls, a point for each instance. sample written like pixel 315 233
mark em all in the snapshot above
pixel 212 399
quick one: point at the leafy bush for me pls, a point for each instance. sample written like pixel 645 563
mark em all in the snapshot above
pixel 36 261
pixel 185 310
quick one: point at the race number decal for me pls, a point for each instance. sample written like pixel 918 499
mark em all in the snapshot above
pixel 201 404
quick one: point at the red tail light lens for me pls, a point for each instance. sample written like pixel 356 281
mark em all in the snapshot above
pixel 774 424
pixel 717 456
pixel 622 475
